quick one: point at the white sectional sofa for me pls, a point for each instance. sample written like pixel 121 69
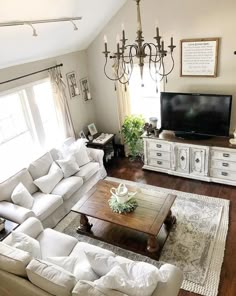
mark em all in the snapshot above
pixel 50 208
pixel 34 277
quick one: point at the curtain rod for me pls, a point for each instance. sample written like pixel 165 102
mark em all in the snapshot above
pixel 26 75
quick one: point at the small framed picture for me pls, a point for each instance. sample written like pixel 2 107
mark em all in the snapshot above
pixel 82 135
pixel 92 129
pixel 72 84
pixel 85 89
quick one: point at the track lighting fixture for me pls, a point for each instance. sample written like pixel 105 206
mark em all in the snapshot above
pixel 33 22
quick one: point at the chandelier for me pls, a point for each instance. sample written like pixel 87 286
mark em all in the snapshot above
pixel 151 53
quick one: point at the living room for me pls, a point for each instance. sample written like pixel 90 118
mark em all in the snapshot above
pixel 81 53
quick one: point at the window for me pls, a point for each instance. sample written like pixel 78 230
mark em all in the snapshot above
pixel 28 126
pixel 144 99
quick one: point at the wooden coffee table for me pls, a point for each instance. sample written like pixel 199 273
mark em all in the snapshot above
pixel 9 227
pixel 153 212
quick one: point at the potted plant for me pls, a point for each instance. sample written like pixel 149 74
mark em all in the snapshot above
pixel 132 129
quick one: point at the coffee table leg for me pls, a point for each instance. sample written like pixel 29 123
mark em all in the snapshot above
pixel 152 244
pixel 170 220
pixel 85 226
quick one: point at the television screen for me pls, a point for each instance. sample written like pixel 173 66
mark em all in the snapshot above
pixel 203 114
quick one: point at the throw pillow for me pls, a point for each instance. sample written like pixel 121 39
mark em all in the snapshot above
pixel 26 243
pixel 21 196
pixel 78 266
pixel 13 260
pixel 48 182
pixel 69 166
pixel 79 150
pixel 50 278
pixel 134 279
pixel 101 263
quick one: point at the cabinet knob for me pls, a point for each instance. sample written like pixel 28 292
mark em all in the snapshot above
pixel 182 158
pixel 224 174
pixel 159 162
pixel 226 154
pixel 197 160
pixel 158 145
pixel 159 154
pixel 225 164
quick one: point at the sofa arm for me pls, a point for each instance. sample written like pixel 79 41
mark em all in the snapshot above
pixel 97 155
pixel 14 212
pixel 173 279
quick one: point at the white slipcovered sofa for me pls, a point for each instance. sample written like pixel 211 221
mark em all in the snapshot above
pixel 39 277
pixel 50 208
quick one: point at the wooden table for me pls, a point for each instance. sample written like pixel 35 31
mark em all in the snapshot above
pixel 153 211
pixel 9 227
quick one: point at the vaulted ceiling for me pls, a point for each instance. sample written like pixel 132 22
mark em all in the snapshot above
pixel 17 45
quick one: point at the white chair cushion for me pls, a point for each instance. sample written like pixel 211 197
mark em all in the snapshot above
pixel 54 243
pixel 88 170
pixel 50 278
pixel 26 243
pixel 48 182
pixel 78 266
pixel 41 166
pixel 68 165
pixel 66 187
pixel 21 197
pixel 13 260
pixel 45 204
pixel 7 187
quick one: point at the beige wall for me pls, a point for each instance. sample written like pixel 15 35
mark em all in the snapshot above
pixel 182 19
pixel 82 112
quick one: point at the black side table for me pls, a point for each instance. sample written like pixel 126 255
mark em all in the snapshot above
pixel 108 146
pixel 9 227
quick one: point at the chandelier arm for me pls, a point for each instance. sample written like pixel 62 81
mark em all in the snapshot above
pixel 155 55
pixel 173 65
pixel 128 76
pixel 110 78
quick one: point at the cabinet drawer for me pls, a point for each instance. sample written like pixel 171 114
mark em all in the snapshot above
pixel 159 155
pixel 224 155
pixel 223 174
pixel 159 145
pixel 223 165
pixel 159 163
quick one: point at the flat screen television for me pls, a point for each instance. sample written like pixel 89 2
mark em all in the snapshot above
pixel 192 115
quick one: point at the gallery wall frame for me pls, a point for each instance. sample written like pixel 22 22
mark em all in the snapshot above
pixel 85 89
pixel 199 57
pixel 72 84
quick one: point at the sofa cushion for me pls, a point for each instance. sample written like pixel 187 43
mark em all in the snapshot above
pixel 7 187
pixel 21 197
pixel 13 260
pixel 88 170
pixel 68 165
pixel 50 278
pixel 41 166
pixel 45 204
pixel 48 182
pixel 66 187
pixel 26 243
pixel 85 247
pixel 78 266
pixel 54 243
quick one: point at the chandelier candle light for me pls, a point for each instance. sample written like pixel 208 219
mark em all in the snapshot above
pixel 124 56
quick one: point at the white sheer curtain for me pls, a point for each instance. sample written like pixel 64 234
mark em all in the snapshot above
pixel 61 103
pixel 123 102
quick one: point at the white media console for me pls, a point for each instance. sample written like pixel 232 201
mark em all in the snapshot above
pixel 212 160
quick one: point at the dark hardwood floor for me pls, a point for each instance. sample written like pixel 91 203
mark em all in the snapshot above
pixel 124 169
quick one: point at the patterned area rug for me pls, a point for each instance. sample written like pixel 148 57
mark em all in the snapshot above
pixel 196 244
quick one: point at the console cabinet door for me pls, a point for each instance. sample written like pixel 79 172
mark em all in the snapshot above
pixel 198 161
pixel 182 158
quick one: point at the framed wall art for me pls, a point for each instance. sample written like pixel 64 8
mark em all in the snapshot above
pixel 85 89
pixel 92 129
pixel 72 84
pixel 82 135
pixel 199 57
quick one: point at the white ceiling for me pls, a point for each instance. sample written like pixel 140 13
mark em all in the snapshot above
pixel 17 45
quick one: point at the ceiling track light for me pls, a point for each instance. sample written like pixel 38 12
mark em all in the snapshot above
pixel 46 21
